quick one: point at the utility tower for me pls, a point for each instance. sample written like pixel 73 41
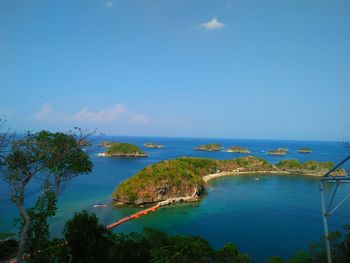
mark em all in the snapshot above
pixel 328 209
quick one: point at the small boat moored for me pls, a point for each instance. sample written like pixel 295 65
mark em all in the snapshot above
pixel 100 205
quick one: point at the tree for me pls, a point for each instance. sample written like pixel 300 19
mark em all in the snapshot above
pixel 48 159
pixel 230 254
pixel 88 241
pixel 38 235
pixel 5 138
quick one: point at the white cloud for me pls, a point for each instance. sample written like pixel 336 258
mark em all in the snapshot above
pixel 105 115
pixel 117 112
pixel 109 3
pixel 46 112
pixel 213 24
pixel 140 119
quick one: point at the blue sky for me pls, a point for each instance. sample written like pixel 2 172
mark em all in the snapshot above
pixel 237 69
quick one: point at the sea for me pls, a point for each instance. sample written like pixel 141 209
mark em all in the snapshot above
pixel 263 215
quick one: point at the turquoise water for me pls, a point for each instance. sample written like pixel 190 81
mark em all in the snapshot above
pixel 276 215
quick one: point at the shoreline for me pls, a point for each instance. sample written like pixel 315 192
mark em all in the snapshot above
pixel 209 177
pixel 195 197
pixel 122 155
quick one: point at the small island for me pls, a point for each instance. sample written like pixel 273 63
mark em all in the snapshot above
pixel 121 149
pixel 105 144
pixel 211 147
pixel 153 145
pixel 279 151
pixel 304 150
pixel 237 149
pixel 184 179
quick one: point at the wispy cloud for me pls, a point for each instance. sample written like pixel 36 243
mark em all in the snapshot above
pixel 47 113
pixel 105 115
pixel 117 112
pixel 212 24
pixel 109 3
pixel 140 119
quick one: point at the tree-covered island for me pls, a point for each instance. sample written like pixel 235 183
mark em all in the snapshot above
pixel 122 149
pixel 184 179
pixel 211 147
pixel 237 149
pixel 279 151
pixel 153 145
pixel 304 150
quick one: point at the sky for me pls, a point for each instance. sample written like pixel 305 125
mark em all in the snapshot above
pixel 178 68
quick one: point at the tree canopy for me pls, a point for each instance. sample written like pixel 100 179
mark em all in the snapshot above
pixel 49 160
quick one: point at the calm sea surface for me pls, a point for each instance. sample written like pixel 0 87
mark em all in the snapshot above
pixel 276 215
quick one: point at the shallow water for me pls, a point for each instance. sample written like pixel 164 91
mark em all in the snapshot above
pixel 276 215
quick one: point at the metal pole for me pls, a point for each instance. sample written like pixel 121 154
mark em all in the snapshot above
pixel 325 223
pixel 337 166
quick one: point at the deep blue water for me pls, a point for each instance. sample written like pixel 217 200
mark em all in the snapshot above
pixel 276 215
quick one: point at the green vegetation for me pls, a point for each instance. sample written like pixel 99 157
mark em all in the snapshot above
pixel 89 241
pixel 179 177
pixel 279 151
pixel 124 149
pixel 304 150
pixel 51 160
pixel 309 167
pixel 86 240
pixel 237 149
pixel 184 176
pixel 174 178
pixel 153 145
pixel 209 147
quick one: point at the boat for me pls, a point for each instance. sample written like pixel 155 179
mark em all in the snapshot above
pixel 100 205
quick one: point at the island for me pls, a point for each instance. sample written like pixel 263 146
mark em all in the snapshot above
pixel 185 178
pixel 279 151
pixel 122 149
pixel 304 150
pixel 237 149
pixel 153 145
pixel 105 144
pixel 211 147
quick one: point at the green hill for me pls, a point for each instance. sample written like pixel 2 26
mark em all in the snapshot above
pixel 183 177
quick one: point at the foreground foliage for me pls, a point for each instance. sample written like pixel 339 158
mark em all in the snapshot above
pixel 85 240
pixel 89 241
pixel 49 160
